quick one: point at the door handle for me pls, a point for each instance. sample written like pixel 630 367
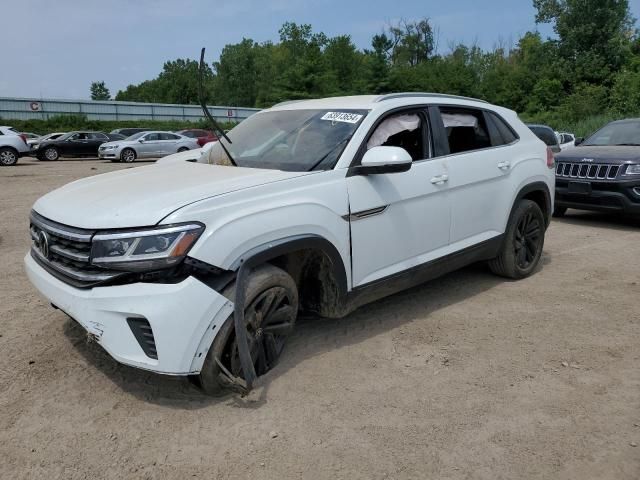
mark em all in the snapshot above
pixel 504 165
pixel 440 179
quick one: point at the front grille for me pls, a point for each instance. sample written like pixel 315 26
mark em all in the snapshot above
pixel 144 335
pixel 65 252
pixel 587 170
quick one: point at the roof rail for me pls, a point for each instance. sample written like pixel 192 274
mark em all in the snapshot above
pixel 288 102
pixel 392 96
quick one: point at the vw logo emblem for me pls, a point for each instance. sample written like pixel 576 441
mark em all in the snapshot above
pixel 43 243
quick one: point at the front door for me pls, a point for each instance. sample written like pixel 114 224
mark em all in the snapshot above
pixel 399 220
pixel 149 146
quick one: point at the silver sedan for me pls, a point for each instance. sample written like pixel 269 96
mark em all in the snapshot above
pixel 146 145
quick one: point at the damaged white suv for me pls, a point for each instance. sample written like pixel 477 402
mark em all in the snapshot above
pixel 199 265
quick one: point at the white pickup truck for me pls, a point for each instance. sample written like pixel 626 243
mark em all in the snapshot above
pixel 199 265
pixel 12 145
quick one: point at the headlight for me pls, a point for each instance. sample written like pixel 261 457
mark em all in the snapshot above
pixel 143 250
pixel 633 170
pixel 111 147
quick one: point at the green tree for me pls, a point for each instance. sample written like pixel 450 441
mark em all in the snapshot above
pixel 593 35
pixel 99 91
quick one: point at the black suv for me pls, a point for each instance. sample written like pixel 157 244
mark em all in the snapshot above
pixel 603 172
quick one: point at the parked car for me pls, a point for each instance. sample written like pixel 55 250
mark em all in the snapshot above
pixel 566 140
pixel 146 145
pixel 81 144
pixel 202 136
pixel 35 144
pixel 12 145
pixel 547 135
pixel 200 268
pixel 127 132
pixel 603 172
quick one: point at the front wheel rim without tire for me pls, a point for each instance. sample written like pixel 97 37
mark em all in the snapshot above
pixel 7 157
pixel 527 240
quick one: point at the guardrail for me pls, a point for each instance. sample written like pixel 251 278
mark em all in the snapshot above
pixel 12 108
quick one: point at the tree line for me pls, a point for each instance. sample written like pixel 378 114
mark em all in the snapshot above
pixel 590 67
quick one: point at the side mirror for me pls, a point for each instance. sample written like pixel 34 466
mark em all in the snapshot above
pixel 379 160
pixel 141 140
pixel 578 141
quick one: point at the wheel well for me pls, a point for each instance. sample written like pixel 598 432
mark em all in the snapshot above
pixel 539 193
pixel 13 149
pixel 316 279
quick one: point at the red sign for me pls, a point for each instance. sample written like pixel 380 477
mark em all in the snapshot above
pixel 231 113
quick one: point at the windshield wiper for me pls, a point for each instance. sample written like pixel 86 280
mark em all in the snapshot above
pixel 324 157
pixel 219 131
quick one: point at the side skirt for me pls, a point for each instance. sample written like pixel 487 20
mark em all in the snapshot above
pixel 398 282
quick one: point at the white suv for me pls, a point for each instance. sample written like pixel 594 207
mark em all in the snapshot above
pixel 12 145
pixel 198 265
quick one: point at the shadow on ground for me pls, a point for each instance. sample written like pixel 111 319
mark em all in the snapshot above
pixel 312 336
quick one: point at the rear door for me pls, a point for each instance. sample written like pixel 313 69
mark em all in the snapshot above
pixel 480 164
pixel 168 144
pixel 399 220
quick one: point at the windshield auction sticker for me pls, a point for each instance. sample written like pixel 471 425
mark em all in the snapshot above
pixel 342 117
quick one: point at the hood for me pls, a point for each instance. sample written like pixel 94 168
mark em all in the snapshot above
pixel 604 154
pixel 143 196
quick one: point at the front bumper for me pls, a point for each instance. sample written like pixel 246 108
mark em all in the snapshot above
pixel 184 317
pixel 610 196
pixel 109 154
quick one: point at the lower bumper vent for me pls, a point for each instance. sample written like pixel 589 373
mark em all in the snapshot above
pixel 144 335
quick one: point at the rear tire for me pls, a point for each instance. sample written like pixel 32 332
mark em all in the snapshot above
pixel 523 242
pixel 8 157
pixel 559 212
pixel 128 155
pixel 271 305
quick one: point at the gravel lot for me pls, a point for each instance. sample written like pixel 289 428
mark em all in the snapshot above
pixel 468 376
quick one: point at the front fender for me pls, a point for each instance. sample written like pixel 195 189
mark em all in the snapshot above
pixel 249 219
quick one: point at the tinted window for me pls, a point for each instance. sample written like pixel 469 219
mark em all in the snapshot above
pixel 98 136
pixel 546 135
pixel 152 137
pixel 189 134
pixel 466 129
pixel 168 136
pixel 505 132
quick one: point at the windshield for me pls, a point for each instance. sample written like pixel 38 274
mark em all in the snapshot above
pixel 136 136
pixel 625 133
pixel 291 140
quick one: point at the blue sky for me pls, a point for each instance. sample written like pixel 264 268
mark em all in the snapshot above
pixel 61 46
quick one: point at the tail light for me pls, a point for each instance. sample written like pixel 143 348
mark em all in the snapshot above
pixel 551 161
pixel 24 138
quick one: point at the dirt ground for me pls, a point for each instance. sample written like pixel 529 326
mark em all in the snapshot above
pixel 468 376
